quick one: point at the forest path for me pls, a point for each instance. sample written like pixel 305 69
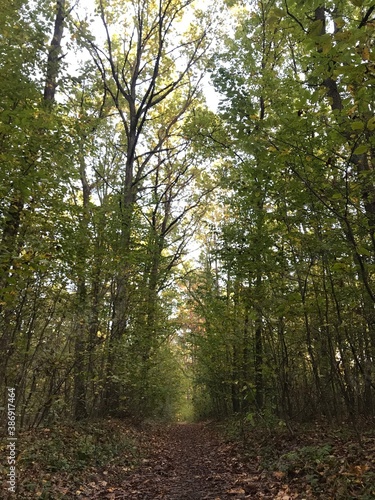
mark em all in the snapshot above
pixel 192 462
pixel 188 462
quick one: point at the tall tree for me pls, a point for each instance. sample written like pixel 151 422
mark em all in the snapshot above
pixel 301 174
pixel 147 69
pixel 26 144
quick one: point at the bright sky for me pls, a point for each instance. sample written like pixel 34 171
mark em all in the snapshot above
pixel 85 8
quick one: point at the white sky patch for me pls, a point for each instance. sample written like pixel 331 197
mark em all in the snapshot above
pixel 85 10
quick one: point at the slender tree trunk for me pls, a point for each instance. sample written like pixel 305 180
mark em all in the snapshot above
pixel 10 245
pixel 54 53
pixel 81 333
pixel 80 355
pixel 246 361
pixel 259 381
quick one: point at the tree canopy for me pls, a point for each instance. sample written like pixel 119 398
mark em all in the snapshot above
pixel 115 170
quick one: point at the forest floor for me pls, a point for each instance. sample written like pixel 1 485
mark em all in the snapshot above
pixel 112 460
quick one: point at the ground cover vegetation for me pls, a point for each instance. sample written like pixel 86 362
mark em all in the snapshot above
pixel 114 168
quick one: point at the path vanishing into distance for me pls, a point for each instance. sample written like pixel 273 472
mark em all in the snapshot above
pixel 188 463
pixel 185 461
pixel 191 462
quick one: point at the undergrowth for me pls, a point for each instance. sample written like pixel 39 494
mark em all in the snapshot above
pixel 74 447
pixel 49 458
pixel 316 461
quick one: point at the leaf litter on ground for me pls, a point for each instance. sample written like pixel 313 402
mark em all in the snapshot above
pixel 114 459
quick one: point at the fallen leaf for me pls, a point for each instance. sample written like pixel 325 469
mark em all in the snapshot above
pixel 236 491
pixel 279 475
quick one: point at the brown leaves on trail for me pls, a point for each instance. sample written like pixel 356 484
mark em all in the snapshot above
pixel 315 464
pixel 191 462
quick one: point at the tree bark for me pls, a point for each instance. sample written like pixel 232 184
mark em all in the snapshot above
pixel 54 52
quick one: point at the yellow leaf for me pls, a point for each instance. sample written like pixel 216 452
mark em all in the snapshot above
pixel 366 53
pixel 285 152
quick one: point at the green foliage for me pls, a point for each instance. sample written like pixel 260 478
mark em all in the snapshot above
pixel 100 193
pixel 103 189
pixel 293 239
pixel 158 390
pixel 308 459
pixel 80 446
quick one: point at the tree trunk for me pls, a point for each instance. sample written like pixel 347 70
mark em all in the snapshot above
pixel 54 53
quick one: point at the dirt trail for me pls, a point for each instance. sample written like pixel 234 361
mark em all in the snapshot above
pixel 187 463
pixel 192 462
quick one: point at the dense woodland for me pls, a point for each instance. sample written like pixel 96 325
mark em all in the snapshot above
pixel 162 258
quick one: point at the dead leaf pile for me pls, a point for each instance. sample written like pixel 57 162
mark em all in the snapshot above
pixel 192 462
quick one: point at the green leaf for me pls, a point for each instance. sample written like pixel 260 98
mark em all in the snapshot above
pixel 361 149
pixel 363 251
pixel 339 266
pixel 371 124
pixel 278 12
pixel 337 196
pixel 316 28
pixel 358 125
